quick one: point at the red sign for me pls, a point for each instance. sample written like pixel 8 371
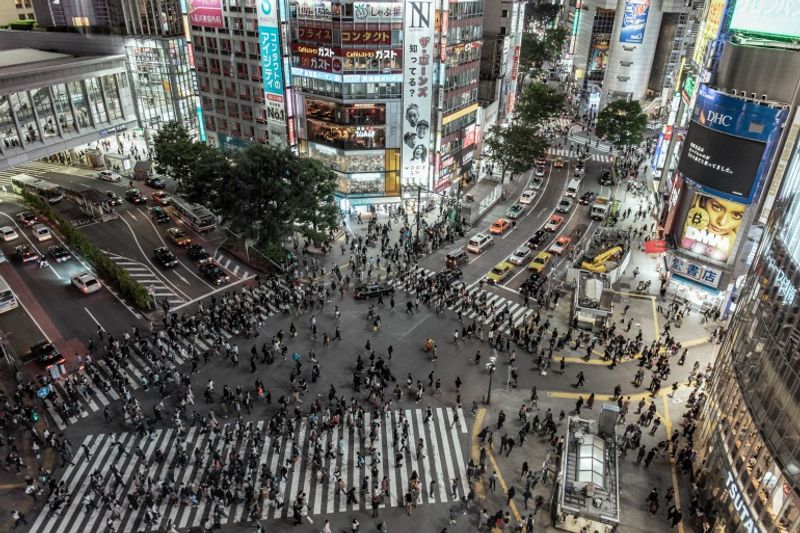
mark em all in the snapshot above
pixel 515 69
pixel 366 37
pixel 320 58
pixel 655 246
pixel 320 35
pixel 469 136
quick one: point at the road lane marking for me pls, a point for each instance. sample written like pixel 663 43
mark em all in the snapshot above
pixel 93 318
pixel 675 485
pixel 132 215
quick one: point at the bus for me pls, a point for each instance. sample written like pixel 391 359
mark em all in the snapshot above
pixel 48 191
pixel 7 299
pixel 195 216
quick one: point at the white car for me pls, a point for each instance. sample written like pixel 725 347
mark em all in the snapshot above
pixel 86 283
pixel 8 233
pixel 108 175
pixel 540 171
pixel 42 233
pixel 564 205
pixel 536 183
pixel 527 196
pixel 519 256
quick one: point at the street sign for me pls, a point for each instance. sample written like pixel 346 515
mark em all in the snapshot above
pixel 43 392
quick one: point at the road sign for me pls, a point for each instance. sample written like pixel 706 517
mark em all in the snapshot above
pixel 43 392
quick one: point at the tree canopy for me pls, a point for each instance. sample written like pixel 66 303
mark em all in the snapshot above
pixel 175 152
pixel 262 193
pixel 621 123
pixel 539 103
pixel 515 148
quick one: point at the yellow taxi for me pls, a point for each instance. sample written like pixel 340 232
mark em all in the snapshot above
pixel 540 261
pixel 500 272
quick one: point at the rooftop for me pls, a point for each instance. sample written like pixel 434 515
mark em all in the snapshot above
pixel 26 56
pixel 21 61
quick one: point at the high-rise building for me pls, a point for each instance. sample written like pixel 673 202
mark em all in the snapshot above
pixel 729 165
pixel 629 49
pixel 15 11
pixel 242 71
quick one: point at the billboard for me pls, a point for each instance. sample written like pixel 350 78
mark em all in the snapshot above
pixel 377 11
pixel 311 10
pixel 767 17
pixel 729 144
pixel 381 37
pixel 634 20
pixel 206 13
pixel 271 64
pixel 418 72
pixel 712 24
pixel 711 226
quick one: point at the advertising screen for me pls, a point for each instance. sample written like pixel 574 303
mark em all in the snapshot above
pixel 711 226
pixel 634 20
pixel 712 23
pixel 720 162
pixel 418 73
pixel 206 13
pixel 767 17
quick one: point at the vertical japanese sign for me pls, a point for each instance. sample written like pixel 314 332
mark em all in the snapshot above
pixel 271 62
pixel 417 90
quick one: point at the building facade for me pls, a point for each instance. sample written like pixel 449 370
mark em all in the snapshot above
pixel 16 10
pixel 239 55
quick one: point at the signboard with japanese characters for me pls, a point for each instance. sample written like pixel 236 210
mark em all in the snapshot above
pixel 377 11
pixel 206 13
pixel 382 37
pixel 702 274
pixel 311 10
pixel 418 71
pixel 318 35
pixel 271 63
pixel 322 58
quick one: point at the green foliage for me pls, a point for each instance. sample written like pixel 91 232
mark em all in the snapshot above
pixel 538 104
pixel 515 148
pixel 175 152
pixel 621 123
pixel 114 275
pixel 542 14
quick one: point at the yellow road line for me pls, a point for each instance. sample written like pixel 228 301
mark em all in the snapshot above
pixel 8 486
pixel 476 448
pixel 503 485
pixel 675 486
pixel 655 318
pixel 699 341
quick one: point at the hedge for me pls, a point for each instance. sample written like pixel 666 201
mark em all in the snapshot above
pixel 117 277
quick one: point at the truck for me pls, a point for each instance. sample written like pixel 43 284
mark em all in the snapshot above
pixel 600 208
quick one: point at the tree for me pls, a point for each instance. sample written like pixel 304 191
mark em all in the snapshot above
pixel 539 103
pixel 536 49
pixel 542 14
pixel 175 152
pixel 621 123
pixel 515 148
pixel 207 177
pixel 311 192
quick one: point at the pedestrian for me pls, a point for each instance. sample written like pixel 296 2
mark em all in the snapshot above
pixel 493 481
pixel 19 518
pixel 510 495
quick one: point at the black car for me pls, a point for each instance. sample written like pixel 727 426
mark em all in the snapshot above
pixel 26 218
pixel 533 284
pixel 156 183
pixel 371 290
pixel 605 178
pixel 113 199
pixel 46 353
pixel 159 215
pixel 448 277
pixel 59 254
pixel 135 196
pixel 213 273
pixel 165 257
pixel 197 253
pixel 538 238
pixel 587 198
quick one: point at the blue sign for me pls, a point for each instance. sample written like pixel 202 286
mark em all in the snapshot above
pixel 271 60
pixel 634 20
pixel 43 392
pixel 730 144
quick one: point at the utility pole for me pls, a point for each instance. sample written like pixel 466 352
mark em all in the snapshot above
pixel 419 206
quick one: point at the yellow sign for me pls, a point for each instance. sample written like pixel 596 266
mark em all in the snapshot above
pixel 712 23
pixel 458 114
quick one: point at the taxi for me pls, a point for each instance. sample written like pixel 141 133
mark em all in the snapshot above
pixel 500 226
pixel 500 272
pixel 540 261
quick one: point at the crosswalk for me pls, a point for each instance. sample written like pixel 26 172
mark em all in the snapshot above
pixel 147 278
pixel 92 388
pixel 515 313
pixel 231 266
pixel 37 169
pixel 565 153
pixel 442 459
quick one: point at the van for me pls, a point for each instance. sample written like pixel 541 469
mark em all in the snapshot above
pixel 572 188
pixel 479 243
pixel 456 258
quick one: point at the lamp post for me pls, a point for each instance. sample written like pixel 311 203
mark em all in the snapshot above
pixel 491 365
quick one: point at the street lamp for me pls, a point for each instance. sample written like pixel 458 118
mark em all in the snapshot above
pixel 490 366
